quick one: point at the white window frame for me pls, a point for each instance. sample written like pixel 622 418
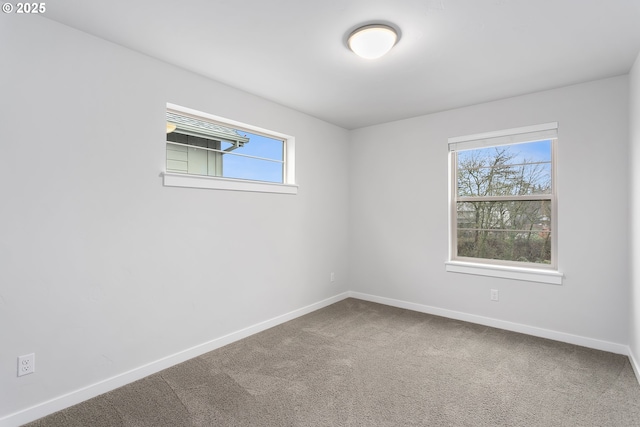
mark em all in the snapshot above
pixel 288 186
pixel 544 273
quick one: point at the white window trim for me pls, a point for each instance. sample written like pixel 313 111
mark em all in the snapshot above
pixel 551 277
pixel 172 179
pixel 542 273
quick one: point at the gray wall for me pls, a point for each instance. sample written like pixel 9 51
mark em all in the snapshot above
pixel 398 212
pixel 634 161
pixel 102 269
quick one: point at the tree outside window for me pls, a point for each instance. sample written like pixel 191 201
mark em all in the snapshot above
pixel 503 201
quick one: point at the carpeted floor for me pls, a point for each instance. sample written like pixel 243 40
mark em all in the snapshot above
pixel 357 363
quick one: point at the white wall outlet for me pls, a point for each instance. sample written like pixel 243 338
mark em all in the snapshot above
pixel 26 364
pixel 332 277
pixel 494 295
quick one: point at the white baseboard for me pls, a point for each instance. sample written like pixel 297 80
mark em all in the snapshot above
pixel 634 364
pixel 93 390
pixel 500 324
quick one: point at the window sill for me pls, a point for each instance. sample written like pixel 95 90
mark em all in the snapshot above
pixel 216 183
pixel 516 273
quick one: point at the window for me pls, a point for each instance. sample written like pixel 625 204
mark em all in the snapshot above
pixel 503 203
pixel 205 151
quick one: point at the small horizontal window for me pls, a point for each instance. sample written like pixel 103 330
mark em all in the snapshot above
pixel 199 145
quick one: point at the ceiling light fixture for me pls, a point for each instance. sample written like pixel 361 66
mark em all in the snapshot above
pixel 372 41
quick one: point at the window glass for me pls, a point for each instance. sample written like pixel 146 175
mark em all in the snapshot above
pixel 199 147
pixel 260 147
pixel 514 230
pixel 503 203
pixel 517 169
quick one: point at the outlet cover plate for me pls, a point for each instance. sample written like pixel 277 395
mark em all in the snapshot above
pixel 26 364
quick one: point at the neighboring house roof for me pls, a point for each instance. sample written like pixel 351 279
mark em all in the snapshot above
pixel 200 128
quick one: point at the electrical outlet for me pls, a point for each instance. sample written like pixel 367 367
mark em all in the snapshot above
pixel 494 295
pixel 332 277
pixel 26 364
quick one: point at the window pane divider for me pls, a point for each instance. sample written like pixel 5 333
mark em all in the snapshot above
pixel 510 230
pixel 515 198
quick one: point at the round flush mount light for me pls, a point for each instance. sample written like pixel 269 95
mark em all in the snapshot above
pixel 372 41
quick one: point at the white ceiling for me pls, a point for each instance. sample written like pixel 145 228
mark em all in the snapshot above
pixel 452 53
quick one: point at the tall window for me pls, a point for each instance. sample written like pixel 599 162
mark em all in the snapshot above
pixel 503 197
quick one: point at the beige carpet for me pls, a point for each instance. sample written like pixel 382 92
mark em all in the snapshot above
pixel 357 363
